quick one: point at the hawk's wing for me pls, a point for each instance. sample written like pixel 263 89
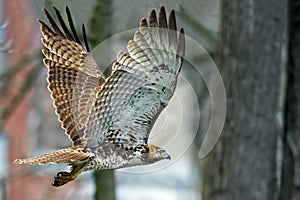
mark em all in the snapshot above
pixel 141 85
pixel 73 76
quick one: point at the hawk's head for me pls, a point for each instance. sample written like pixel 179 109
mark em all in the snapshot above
pixel 156 153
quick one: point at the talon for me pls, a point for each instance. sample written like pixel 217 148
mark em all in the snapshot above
pixel 64 177
pixel 59 174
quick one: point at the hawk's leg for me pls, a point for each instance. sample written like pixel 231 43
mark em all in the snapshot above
pixel 65 177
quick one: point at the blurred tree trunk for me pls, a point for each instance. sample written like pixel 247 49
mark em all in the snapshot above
pixel 101 28
pixel 291 172
pixel 247 162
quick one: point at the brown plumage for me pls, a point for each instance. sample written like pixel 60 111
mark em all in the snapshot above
pixel 109 119
pixel 66 155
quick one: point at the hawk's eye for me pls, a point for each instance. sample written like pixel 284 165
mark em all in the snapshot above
pixel 161 151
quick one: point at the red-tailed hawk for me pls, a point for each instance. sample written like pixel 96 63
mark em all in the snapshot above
pixel 109 119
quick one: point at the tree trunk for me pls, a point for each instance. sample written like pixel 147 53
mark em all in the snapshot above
pixel 291 172
pixel 247 161
pixel 105 185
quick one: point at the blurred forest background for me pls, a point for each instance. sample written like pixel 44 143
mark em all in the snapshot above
pixel 255 45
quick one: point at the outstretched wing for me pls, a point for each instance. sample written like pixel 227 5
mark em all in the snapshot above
pixel 142 83
pixel 73 76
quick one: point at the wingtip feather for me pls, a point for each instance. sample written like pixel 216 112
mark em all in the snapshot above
pixel 152 19
pixel 181 43
pixel 172 21
pixel 143 23
pixel 162 18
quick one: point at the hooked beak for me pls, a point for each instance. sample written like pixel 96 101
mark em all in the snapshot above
pixel 168 157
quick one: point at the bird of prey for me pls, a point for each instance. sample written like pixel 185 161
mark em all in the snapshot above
pixel 109 119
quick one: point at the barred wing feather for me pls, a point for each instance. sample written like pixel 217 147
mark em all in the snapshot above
pixel 73 76
pixel 142 83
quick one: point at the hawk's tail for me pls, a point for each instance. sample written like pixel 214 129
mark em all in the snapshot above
pixel 66 155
